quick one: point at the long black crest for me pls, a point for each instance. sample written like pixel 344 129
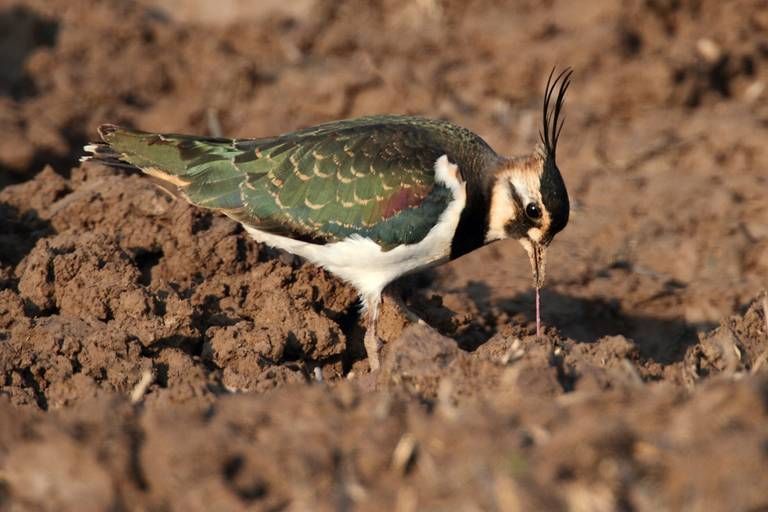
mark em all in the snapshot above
pixel 552 119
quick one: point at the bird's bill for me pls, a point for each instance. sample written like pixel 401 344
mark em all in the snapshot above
pixel 537 255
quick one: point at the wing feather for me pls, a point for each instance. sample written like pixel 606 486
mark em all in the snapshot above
pixel 372 177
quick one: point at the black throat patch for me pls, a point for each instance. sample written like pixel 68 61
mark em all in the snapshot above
pixel 473 224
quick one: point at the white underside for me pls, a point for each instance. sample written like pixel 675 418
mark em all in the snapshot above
pixel 363 264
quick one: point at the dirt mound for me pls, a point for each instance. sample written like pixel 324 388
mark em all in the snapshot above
pixel 99 302
pixel 509 440
pixel 153 356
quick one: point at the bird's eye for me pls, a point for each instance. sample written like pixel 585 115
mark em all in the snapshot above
pixel 533 211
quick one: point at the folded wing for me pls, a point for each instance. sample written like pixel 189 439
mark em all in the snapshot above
pixel 371 177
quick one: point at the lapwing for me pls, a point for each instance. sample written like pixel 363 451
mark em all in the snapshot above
pixel 369 199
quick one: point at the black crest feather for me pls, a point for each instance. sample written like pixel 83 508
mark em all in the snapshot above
pixel 552 119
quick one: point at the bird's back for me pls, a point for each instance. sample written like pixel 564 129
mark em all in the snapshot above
pixel 462 146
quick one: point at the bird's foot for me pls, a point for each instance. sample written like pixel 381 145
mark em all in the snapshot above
pixel 372 345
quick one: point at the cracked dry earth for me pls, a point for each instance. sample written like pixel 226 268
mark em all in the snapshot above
pixel 152 357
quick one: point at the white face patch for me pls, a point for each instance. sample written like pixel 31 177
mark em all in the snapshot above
pixel 524 177
pixel 502 210
pixel 527 187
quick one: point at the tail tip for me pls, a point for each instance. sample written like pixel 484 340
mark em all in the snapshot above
pixel 99 152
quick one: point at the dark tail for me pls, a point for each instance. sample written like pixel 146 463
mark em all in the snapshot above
pixel 102 152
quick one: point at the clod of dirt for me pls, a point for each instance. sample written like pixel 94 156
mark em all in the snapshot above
pixel 739 344
pixel 425 364
pixel 533 368
pixel 60 273
pixel 248 355
pixel 608 363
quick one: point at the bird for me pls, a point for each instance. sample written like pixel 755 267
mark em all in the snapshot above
pixel 369 199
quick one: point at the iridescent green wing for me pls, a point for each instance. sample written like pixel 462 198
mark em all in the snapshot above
pixel 372 177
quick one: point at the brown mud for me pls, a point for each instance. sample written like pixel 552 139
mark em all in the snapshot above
pixel 153 357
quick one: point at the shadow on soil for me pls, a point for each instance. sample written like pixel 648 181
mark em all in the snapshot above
pixel 584 320
pixel 19 232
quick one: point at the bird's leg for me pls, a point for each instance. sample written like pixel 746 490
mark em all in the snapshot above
pixel 371 340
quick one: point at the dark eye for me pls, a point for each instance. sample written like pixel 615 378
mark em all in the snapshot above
pixel 533 211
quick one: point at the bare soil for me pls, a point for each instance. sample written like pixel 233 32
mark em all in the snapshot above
pixel 153 357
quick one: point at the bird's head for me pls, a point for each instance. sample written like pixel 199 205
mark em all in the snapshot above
pixel 529 201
